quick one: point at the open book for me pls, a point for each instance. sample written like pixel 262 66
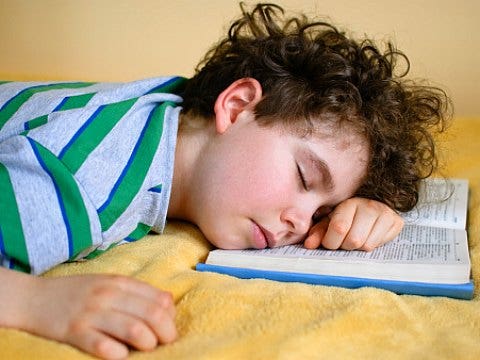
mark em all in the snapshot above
pixel 429 257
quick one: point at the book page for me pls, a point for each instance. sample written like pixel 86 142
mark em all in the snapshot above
pixel 415 244
pixel 442 203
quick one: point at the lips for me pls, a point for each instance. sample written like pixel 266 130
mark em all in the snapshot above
pixel 262 238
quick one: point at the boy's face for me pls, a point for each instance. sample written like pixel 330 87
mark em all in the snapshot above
pixel 249 191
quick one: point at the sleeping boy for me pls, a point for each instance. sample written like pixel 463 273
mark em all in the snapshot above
pixel 289 132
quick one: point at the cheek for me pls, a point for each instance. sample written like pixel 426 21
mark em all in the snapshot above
pixel 263 182
pixel 251 174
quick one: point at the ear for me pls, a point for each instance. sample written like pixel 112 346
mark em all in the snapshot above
pixel 241 95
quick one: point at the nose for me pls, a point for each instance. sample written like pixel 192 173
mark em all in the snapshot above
pixel 298 219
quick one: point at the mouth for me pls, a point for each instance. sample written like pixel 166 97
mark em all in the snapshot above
pixel 262 238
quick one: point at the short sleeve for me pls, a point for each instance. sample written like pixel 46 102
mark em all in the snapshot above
pixel 47 218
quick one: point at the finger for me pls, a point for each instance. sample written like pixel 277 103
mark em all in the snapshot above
pixel 163 324
pixel 97 344
pixel 384 231
pixel 125 328
pixel 157 314
pixel 378 233
pixel 164 299
pixel 341 219
pixel 361 229
pixel 316 234
pixel 134 285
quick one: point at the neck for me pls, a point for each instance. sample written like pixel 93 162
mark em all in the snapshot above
pixel 193 135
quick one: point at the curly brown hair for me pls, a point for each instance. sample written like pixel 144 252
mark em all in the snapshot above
pixel 311 72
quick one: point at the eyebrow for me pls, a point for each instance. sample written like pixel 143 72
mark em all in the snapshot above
pixel 322 167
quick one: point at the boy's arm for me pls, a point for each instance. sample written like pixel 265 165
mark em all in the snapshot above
pixel 356 223
pixel 99 314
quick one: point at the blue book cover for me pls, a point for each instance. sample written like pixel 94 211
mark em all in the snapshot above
pixel 458 291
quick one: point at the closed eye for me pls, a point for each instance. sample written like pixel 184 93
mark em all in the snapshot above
pixel 301 177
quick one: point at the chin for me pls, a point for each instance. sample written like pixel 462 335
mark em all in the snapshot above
pixel 227 246
pixel 223 242
pixel 225 237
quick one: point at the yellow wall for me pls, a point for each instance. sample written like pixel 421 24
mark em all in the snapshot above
pixel 129 39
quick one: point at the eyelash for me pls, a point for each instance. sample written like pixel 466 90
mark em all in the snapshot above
pixel 302 177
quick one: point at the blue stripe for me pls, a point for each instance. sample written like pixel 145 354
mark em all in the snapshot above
pixel 59 106
pixel 59 198
pixel 129 163
pixel 156 189
pixel 2 251
pixel 2 246
pixel 80 131
pixel 32 88
pixel 162 85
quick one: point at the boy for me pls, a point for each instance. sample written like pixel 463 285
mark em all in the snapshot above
pixel 289 132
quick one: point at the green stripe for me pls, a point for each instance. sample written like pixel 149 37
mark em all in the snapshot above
pixel 10 223
pixel 90 137
pixel 38 121
pixel 75 211
pixel 140 231
pixel 18 100
pixel 75 102
pixel 4 82
pixel 136 173
pixel 98 252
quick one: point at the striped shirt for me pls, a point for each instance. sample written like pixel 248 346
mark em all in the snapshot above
pixel 83 167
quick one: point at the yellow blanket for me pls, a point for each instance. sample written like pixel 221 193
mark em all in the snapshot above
pixel 221 317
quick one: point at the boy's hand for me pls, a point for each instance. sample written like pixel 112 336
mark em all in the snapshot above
pixel 355 224
pixel 101 314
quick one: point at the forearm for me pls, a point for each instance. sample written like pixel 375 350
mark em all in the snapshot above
pixel 17 289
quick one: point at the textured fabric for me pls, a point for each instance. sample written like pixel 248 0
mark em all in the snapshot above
pixel 83 166
pixel 221 317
